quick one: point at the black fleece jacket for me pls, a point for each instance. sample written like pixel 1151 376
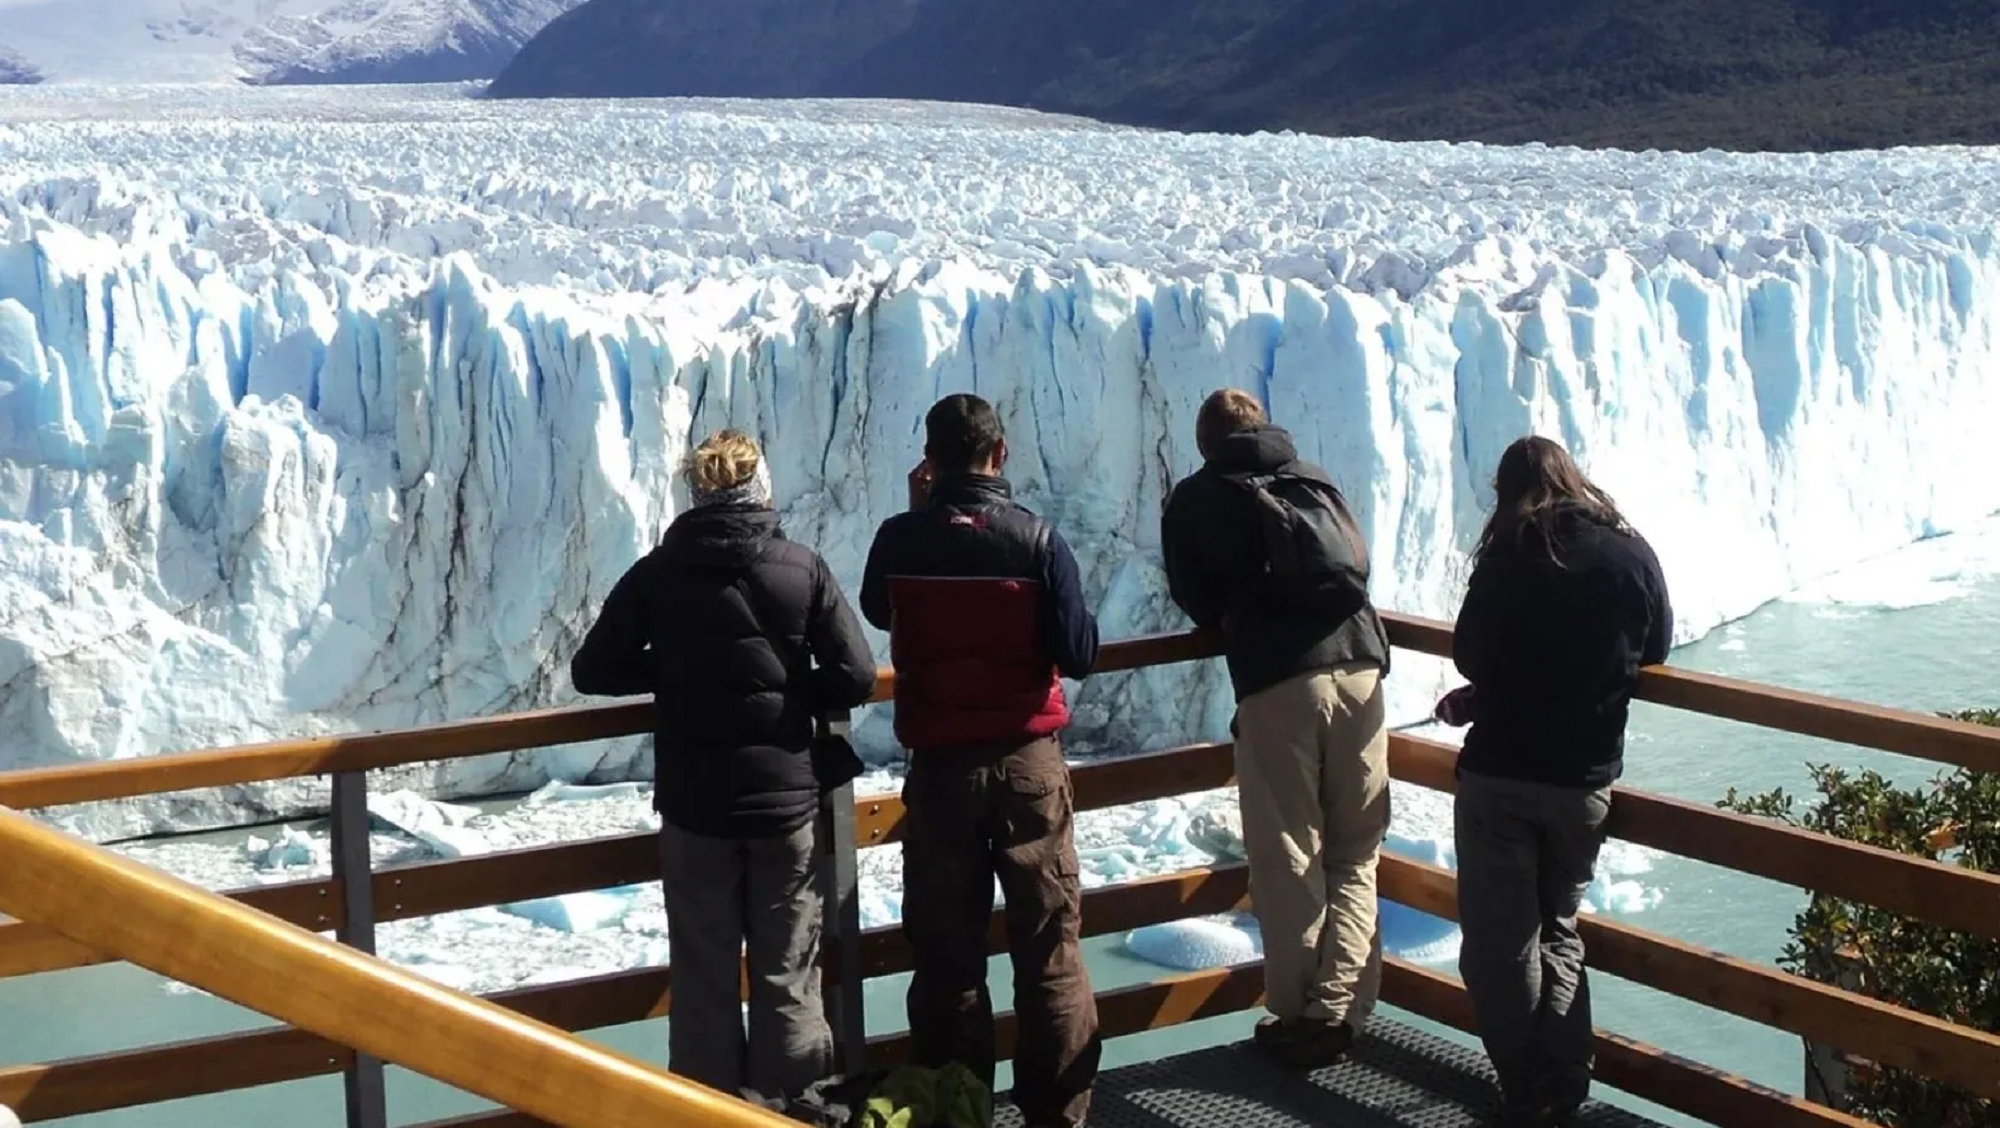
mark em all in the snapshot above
pixel 1215 552
pixel 1553 650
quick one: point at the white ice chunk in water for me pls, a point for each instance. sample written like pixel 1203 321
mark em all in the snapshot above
pixel 1198 944
pixel 293 849
pixel 560 791
pixel 577 912
pixel 440 826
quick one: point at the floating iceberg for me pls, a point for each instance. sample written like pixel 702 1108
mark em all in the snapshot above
pixel 311 425
pixel 292 849
pixel 577 912
pixel 1198 944
pixel 440 826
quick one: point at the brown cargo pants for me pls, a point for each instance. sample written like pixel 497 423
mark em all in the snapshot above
pixel 974 814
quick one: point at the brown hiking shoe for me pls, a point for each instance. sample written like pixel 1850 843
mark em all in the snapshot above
pixel 1304 1043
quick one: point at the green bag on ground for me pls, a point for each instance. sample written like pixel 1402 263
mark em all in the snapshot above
pixel 911 1097
pixel 963 1100
pixel 906 1098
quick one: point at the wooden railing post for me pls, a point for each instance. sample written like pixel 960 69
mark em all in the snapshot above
pixel 354 870
pixel 840 884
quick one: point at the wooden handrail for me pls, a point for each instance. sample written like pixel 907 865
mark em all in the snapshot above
pixel 1945 895
pixel 1868 726
pixel 104 1082
pixel 1877 1031
pixel 119 906
pixel 1948 895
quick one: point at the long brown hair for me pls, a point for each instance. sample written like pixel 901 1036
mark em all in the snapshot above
pixel 1536 482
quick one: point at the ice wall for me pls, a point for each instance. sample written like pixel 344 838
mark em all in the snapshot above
pixel 236 507
pixel 335 408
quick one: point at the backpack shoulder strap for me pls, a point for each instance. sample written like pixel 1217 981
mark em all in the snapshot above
pixel 1244 479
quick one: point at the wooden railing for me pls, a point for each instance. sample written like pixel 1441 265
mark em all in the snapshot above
pixel 356 897
pixel 254 959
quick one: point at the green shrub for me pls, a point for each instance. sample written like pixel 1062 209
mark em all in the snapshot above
pixel 1954 819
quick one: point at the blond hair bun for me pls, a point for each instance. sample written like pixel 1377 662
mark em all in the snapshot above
pixel 726 460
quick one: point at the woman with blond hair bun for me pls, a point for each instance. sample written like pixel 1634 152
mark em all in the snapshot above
pixel 745 640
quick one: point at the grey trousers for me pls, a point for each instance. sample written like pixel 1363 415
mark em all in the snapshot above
pixel 723 895
pixel 1526 854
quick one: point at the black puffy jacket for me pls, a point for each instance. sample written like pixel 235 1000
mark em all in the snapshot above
pixel 743 638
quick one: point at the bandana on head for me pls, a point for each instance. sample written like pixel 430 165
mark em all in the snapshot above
pixel 752 491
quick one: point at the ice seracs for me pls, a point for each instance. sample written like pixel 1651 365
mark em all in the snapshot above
pixel 320 412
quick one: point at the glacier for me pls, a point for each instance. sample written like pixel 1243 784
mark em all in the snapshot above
pixel 324 410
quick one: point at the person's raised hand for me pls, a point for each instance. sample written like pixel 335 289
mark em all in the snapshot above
pixel 1456 707
pixel 920 485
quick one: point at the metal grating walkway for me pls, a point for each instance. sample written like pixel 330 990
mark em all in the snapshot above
pixel 1396 1078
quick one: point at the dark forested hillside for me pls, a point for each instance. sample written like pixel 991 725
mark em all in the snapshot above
pixel 1752 74
pixel 718 48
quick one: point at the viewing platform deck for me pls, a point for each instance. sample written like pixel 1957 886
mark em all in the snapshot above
pixel 1396 1078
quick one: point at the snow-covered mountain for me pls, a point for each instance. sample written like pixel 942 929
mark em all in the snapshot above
pixel 397 40
pixel 323 410
pixel 268 41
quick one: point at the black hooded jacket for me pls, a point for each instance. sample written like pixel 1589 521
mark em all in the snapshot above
pixel 1215 553
pixel 1553 650
pixel 743 638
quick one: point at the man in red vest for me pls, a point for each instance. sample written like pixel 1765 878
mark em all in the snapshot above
pixel 985 612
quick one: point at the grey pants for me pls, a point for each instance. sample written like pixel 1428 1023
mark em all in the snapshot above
pixel 1526 853
pixel 723 895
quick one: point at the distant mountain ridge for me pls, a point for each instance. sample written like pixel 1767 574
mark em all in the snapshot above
pixel 709 48
pixel 17 71
pixel 406 41
pixel 266 41
pixel 1691 74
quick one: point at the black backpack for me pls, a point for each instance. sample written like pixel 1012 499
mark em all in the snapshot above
pixel 1315 560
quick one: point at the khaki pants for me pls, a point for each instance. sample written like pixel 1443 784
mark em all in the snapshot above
pixel 1312 767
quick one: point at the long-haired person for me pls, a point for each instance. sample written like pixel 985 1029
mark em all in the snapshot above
pixel 744 639
pixel 1566 603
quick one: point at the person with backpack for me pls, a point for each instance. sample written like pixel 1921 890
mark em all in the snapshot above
pixel 985 611
pixel 1260 548
pixel 746 644
pixel 1565 604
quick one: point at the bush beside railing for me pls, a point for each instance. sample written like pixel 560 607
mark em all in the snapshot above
pixel 1889 955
